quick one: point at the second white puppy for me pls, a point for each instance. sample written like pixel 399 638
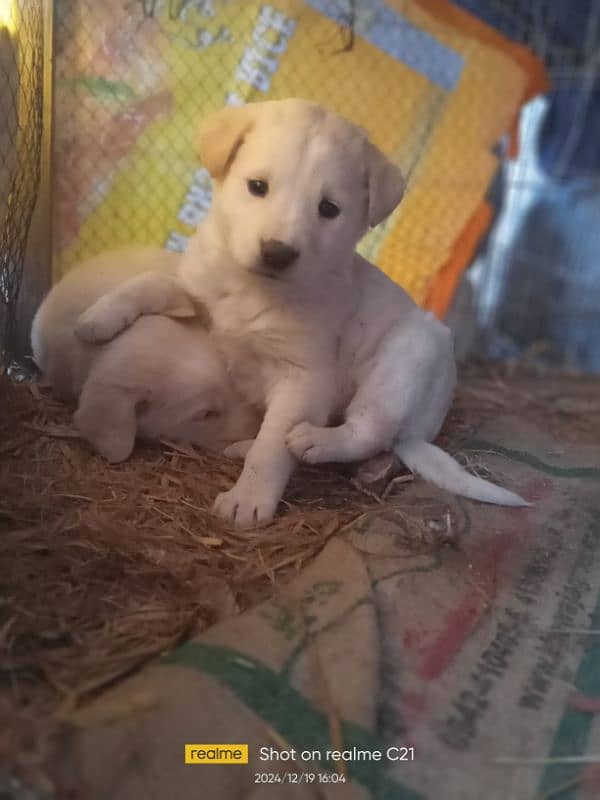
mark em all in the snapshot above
pixel 314 327
pixel 161 378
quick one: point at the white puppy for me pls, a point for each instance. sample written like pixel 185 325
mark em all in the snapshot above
pixel 162 377
pixel 309 327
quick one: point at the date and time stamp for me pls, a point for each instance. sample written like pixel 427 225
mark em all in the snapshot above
pixel 299 777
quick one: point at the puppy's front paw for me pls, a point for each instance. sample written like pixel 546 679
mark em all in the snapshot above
pixel 102 322
pixel 309 443
pixel 245 509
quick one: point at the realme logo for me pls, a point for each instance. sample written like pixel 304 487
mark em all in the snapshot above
pixel 216 754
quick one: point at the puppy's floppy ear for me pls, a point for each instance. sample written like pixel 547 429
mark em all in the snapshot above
pixel 106 418
pixel 386 184
pixel 219 137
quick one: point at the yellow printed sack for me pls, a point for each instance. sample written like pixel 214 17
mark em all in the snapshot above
pixel 435 89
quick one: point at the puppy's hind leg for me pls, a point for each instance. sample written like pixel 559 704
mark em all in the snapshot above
pixel 361 436
pixel 372 420
pixel 407 388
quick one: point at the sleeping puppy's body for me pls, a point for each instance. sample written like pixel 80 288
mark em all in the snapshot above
pixel 315 328
pixel 163 377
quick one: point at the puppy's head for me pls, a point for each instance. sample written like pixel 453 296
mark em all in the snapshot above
pixel 296 186
pixel 195 401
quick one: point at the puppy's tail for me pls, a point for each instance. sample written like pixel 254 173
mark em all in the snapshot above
pixel 437 467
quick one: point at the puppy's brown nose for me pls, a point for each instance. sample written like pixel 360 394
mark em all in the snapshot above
pixel 277 255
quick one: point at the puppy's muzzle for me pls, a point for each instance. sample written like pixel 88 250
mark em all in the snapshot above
pixel 277 255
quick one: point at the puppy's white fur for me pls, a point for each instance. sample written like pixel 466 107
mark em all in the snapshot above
pixel 329 333
pixel 162 377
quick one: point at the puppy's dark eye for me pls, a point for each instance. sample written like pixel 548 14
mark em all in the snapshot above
pixel 258 188
pixel 328 209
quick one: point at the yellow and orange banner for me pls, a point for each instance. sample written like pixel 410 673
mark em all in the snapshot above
pixel 435 89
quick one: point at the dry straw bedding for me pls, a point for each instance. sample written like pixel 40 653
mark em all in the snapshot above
pixel 104 566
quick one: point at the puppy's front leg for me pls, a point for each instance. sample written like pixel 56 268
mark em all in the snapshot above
pixel 148 293
pixel 269 463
